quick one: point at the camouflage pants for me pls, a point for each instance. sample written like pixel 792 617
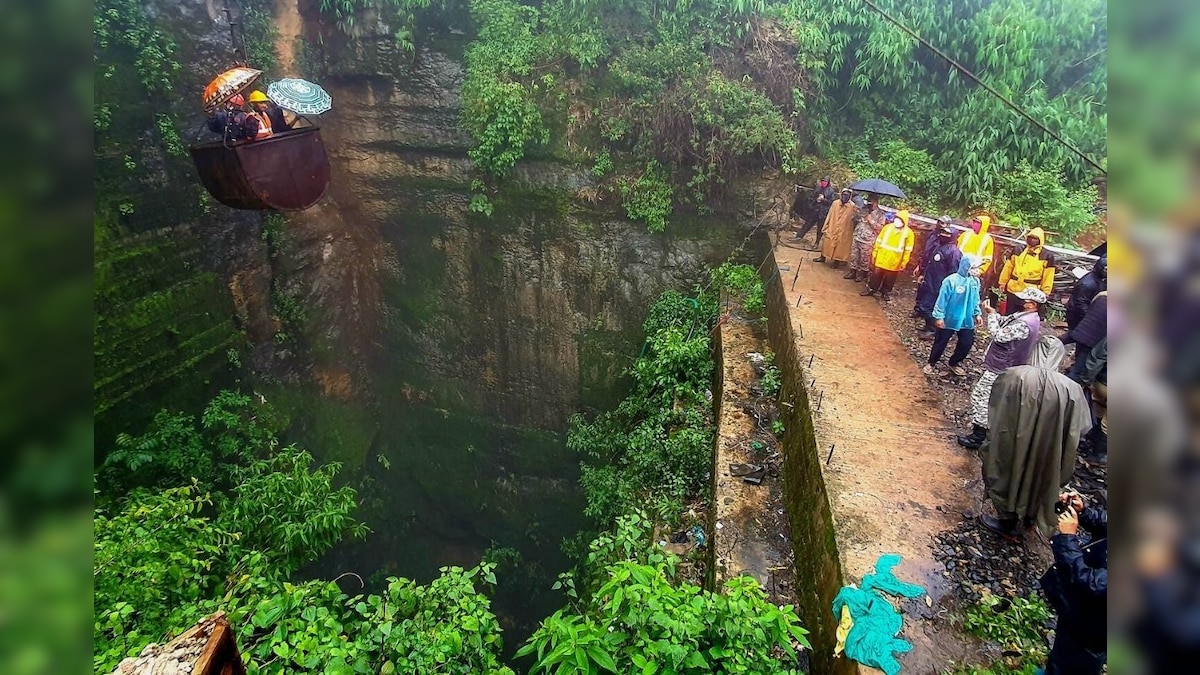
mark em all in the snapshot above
pixel 860 255
pixel 979 397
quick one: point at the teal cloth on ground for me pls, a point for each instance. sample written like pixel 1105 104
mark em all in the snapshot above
pixel 872 639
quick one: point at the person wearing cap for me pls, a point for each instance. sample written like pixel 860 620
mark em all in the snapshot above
pixel 265 117
pixel 893 248
pixel 866 228
pixel 939 260
pixel 230 121
pixel 1038 416
pixel 1033 266
pixel 818 208
pixel 977 243
pixel 1013 339
pixel 838 229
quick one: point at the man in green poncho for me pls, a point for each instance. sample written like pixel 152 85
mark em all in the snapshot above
pixel 1036 416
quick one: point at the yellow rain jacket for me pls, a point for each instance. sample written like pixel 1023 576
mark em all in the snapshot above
pixel 978 246
pixel 894 245
pixel 1033 266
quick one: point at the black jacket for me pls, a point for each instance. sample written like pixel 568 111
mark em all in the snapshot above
pixel 1077 584
pixel 1083 293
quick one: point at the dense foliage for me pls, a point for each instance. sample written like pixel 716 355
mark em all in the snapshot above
pixel 654 448
pixel 167 556
pixel 706 89
pixel 634 615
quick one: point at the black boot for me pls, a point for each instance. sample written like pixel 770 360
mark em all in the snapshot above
pixel 862 276
pixel 852 274
pixel 1005 527
pixel 975 440
pixel 819 259
pixel 836 264
pixel 867 292
pixel 928 331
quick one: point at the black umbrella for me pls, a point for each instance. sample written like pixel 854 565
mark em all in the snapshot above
pixel 879 187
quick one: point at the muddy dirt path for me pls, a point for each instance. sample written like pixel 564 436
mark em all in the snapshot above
pixel 896 478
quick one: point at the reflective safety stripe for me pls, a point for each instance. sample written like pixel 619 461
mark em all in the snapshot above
pixel 898 246
pixel 264 125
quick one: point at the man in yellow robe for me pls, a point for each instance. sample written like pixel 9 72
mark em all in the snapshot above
pixel 838 230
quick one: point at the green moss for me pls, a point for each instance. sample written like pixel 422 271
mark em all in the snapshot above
pixel 333 430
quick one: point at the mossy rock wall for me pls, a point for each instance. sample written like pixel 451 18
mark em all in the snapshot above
pixel 818 567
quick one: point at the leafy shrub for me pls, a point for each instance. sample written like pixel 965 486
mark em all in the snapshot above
pixel 654 449
pixel 603 164
pixel 641 619
pixel 648 197
pixel 1017 624
pixel 173 451
pixel 498 108
pixel 283 505
pixel 743 282
pixel 1029 197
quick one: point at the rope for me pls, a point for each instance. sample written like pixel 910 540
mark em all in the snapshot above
pixel 962 69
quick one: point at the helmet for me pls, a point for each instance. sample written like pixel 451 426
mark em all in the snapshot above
pixel 237 100
pixel 258 97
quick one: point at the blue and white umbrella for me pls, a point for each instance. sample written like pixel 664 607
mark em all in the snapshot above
pixel 300 96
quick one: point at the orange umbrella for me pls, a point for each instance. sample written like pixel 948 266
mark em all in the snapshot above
pixel 228 83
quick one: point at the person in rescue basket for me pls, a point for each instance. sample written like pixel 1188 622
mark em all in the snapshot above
pixel 893 248
pixel 267 117
pixel 1033 266
pixel 939 261
pixel 956 312
pixel 977 243
pixel 230 121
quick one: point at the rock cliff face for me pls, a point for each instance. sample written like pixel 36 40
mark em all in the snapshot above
pixel 523 317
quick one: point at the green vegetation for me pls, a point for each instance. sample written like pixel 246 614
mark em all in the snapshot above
pixel 1019 625
pixel 709 89
pixel 165 558
pixel 637 616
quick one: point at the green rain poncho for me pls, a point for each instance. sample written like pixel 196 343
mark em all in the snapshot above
pixel 1036 416
pixel 874 623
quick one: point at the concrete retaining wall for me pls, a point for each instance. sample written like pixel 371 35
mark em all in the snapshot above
pixel 818 570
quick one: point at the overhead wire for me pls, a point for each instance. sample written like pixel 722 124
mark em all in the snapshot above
pixel 990 89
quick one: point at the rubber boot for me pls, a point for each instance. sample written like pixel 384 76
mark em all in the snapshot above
pixel 1005 527
pixel 975 440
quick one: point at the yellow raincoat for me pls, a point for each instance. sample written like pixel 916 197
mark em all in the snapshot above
pixel 894 245
pixel 1033 266
pixel 978 246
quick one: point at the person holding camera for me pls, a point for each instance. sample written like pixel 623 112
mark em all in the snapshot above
pixel 1077 587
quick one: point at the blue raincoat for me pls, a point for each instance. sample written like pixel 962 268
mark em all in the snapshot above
pixel 958 300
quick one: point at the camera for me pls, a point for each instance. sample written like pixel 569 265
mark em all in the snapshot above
pixel 1060 508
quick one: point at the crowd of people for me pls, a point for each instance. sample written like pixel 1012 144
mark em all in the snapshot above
pixel 1029 419
pixel 252 118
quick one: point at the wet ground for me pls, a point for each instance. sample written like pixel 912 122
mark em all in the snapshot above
pixel 751 528
pixel 895 476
